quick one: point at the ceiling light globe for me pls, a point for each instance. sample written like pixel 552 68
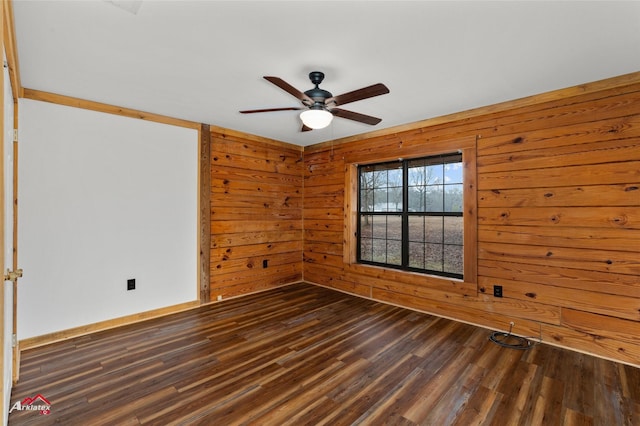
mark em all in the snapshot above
pixel 316 118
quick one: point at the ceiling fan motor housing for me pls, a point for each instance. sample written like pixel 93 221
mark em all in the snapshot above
pixel 317 94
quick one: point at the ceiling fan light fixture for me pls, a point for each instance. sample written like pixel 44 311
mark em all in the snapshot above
pixel 316 118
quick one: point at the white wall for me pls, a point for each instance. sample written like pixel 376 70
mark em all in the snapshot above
pixel 102 199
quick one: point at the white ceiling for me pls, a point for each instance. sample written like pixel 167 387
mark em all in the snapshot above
pixel 204 60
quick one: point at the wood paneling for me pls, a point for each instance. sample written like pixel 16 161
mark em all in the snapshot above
pixel 558 217
pixel 256 214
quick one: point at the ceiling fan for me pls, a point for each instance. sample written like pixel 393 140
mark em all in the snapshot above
pixel 320 105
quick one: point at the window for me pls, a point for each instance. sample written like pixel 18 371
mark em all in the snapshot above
pixel 410 215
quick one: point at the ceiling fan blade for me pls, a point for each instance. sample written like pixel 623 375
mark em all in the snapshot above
pixel 251 111
pixel 289 89
pixel 355 116
pixel 305 128
pixel 356 95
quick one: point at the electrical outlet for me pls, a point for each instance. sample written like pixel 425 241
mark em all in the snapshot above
pixel 131 284
pixel 265 263
pixel 497 291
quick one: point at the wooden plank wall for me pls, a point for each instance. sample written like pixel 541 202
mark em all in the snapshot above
pixel 558 219
pixel 256 214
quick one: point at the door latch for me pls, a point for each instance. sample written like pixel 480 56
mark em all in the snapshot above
pixel 13 275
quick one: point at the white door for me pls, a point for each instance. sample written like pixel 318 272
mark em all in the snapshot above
pixel 8 240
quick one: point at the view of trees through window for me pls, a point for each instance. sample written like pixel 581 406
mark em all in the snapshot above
pixel 410 214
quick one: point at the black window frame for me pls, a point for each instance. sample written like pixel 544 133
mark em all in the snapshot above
pixel 406 214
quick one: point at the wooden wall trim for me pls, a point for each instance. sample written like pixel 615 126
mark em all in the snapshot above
pixel 38 95
pixel 11 49
pixel 204 209
pixel 412 151
pixel 350 213
pixel 45 339
pixel 469 157
pixel 581 89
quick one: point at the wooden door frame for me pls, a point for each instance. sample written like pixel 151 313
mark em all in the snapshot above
pixel 3 414
pixel 16 346
pixel 9 44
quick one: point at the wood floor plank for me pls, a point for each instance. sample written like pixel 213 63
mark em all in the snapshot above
pixel 480 408
pixel 307 355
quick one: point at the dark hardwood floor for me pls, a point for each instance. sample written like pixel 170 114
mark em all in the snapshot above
pixel 306 355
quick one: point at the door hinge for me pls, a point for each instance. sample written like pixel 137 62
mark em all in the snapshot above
pixel 15 135
pixel 13 275
pixel 14 340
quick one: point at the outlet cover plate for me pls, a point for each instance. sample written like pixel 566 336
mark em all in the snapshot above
pixel 497 290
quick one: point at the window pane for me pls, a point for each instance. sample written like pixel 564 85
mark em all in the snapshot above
pixel 434 198
pixel 416 255
pixel 416 228
pixel 417 176
pixel 417 198
pixel 366 191
pixel 453 173
pixel 366 249
pixel 453 230
pixel 380 179
pixel 394 197
pixel 434 174
pixel 453 198
pixel 379 227
pixel 453 259
pixel 366 226
pixel 366 179
pixel 394 252
pixel 434 257
pixel 379 200
pixel 366 200
pixel 366 232
pixel 434 229
pixel 394 178
pixel 394 227
pixel 379 251
pixel 425 188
